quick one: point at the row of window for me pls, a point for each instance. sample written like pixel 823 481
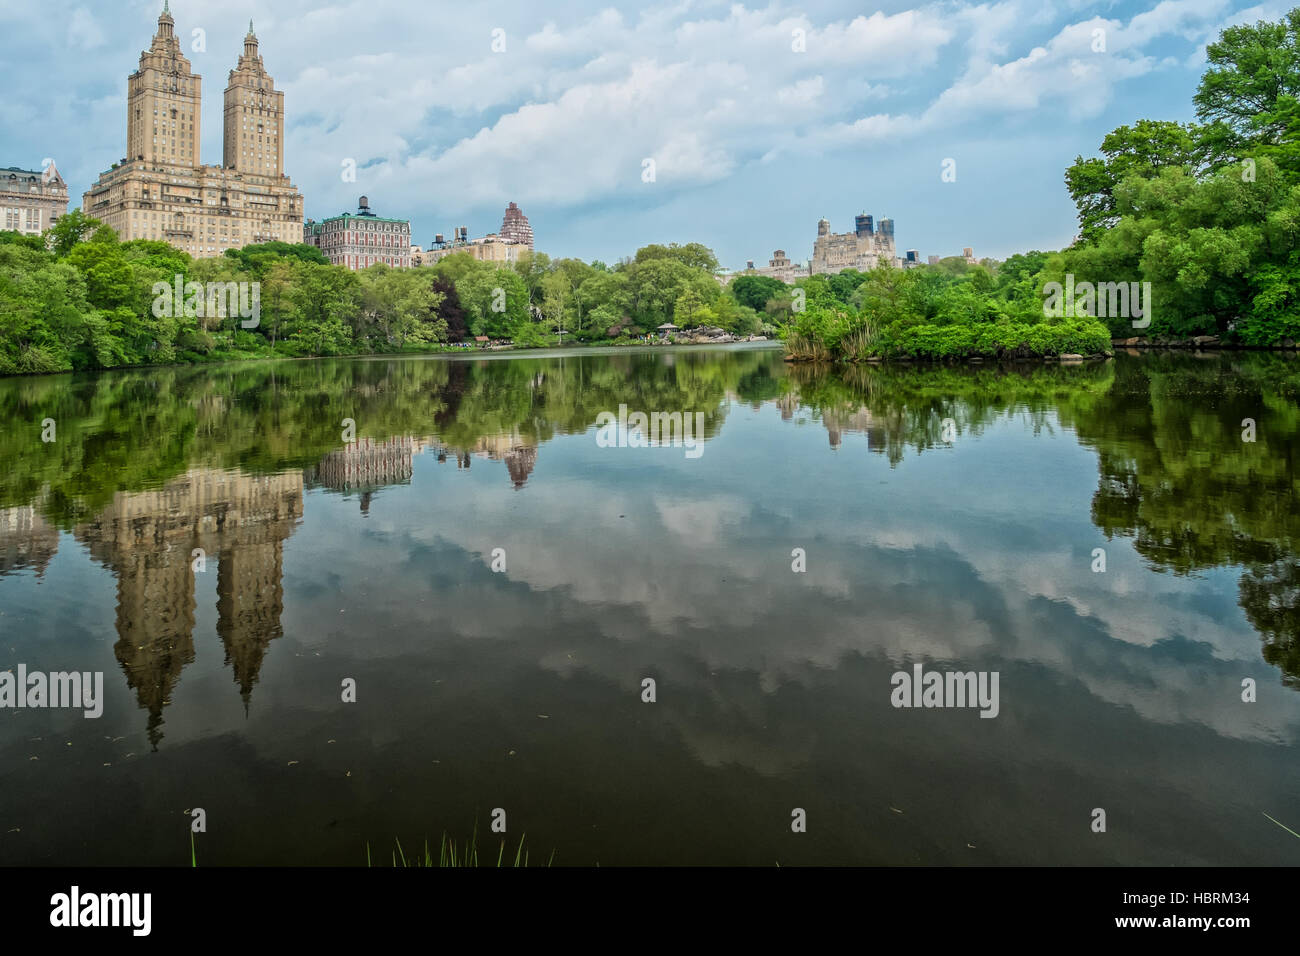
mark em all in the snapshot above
pixel 19 219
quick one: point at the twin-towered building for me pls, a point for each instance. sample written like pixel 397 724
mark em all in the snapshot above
pixel 161 190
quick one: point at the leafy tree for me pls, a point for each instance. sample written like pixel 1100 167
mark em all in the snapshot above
pixel 755 291
pixel 72 228
pixel 1252 84
pixel 1142 150
pixel 693 255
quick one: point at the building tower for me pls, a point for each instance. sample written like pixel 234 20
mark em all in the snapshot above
pixel 254 129
pixel 161 191
pixel 515 226
pixel 163 97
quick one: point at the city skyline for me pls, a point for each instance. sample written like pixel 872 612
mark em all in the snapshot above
pixel 559 110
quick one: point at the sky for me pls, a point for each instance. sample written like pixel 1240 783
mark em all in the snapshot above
pixel 616 125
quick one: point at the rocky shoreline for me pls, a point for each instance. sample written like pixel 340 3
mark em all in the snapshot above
pixel 1199 342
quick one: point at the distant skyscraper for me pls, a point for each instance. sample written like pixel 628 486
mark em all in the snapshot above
pixel 515 227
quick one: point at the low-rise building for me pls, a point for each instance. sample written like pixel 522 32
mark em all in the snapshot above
pixel 361 239
pixel 778 267
pixel 489 248
pixel 31 200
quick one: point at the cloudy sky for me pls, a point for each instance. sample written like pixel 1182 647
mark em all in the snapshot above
pixel 759 118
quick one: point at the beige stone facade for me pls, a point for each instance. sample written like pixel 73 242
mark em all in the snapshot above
pixel 866 247
pixel 161 191
pixel 490 248
pixel 778 267
pixel 31 201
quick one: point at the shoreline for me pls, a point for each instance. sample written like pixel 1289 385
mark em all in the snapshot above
pixel 1200 344
pixel 477 353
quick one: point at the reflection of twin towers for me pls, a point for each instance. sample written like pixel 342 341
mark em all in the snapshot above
pixel 240 522
pixel 839 420
pixel 149 537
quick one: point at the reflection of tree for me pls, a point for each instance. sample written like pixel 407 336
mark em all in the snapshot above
pixel 130 430
pixel 901 407
pixel 1175 474
pixel 1178 478
pixel 1270 593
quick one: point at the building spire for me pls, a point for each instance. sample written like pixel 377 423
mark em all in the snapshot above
pixel 165 21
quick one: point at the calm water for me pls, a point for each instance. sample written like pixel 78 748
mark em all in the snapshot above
pixel 521 689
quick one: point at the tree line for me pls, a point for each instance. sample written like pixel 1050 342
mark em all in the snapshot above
pixel 79 298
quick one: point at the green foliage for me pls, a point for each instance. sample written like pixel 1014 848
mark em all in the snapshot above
pixel 1249 92
pixel 755 291
pixel 1210 214
pixel 80 299
pixel 1141 151
pixel 1217 251
pixel 693 255
pixel 86 300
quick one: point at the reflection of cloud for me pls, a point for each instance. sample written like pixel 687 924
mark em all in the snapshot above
pixel 698 521
pixel 898 576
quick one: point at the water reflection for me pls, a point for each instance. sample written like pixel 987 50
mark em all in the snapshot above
pixel 973 551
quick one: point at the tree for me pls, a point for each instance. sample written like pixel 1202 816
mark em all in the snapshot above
pixel 755 291
pixel 495 302
pixel 688 308
pixel 1143 150
pixel 531 267
pixel 71 229
pixel 450 311
pixel 694 255
pixel 1253 81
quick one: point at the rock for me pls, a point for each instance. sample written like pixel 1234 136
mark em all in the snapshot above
pixel 1202 340
pixel 1288 343
pixel 1071 357
pixel 1135 340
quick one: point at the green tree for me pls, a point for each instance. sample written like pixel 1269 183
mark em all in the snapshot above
pixel 1251 86
pixel 1142 150
pixel 71 229
pixel 755 291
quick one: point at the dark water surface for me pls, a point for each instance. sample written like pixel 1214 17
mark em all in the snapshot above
pixel 521 689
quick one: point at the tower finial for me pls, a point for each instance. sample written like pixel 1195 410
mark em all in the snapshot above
pixel 167 7
pixel 250 25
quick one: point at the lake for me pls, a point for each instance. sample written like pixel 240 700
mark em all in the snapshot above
pixel 341 603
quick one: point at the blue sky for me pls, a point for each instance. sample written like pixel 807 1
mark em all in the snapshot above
pixel 760 118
